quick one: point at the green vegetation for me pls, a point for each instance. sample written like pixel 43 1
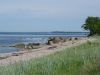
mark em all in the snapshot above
pixel 80 60
pixel 93 25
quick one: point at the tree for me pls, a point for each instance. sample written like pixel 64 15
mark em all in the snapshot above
pixel 93 25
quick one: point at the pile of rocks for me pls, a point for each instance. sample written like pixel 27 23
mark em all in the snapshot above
pixel 33 46
pixel 56 40
pixel 19 46
pixel 28 46
pixel 50 41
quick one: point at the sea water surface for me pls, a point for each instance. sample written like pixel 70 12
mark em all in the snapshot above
pixel 11 38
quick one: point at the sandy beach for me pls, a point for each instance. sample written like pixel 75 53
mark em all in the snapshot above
pixel 36 53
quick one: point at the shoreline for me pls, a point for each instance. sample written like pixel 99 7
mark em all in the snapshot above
pixel 36 53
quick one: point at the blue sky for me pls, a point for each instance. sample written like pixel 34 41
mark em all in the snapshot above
pixel 46 15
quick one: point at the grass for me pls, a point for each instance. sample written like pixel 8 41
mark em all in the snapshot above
pixel 80 60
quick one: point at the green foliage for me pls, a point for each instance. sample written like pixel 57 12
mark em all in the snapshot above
pixel 93 25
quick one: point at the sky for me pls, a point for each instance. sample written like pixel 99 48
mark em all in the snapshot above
pixel 46 15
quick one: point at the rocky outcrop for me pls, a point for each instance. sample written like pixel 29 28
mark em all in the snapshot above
pixel 28 46
pixel 33 46
pixel 56 40
pixel 19 46
pixel 51 41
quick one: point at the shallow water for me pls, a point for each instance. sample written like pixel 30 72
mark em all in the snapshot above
pixel 11 38
pixel 8 49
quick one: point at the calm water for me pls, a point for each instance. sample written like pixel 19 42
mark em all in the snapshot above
pixel 11 38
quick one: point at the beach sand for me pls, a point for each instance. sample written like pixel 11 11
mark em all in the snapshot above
pixel 36 53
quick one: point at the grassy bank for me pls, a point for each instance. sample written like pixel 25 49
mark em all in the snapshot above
pixel 80 60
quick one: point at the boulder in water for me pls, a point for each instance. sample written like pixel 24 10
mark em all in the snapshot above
pixel 33 46
pixel 19 46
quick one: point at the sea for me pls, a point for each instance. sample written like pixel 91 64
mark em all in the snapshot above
pixel 12 38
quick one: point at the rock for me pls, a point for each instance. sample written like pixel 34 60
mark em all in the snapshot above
pixel 56 40
pixel 33 46
pixel 76 38
pixel 28 46
pixel 73 39
pixel 50 42
pixel 69 39
pixel 19 46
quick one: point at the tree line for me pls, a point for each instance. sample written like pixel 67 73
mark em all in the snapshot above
pixel 92 24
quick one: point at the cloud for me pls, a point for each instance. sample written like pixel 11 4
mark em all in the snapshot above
pixel 33 7
pixel 51 8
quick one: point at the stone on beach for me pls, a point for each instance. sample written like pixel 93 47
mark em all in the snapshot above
pixel 56 40
pixel 28 46
pixel 33 46
pixel 19 46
